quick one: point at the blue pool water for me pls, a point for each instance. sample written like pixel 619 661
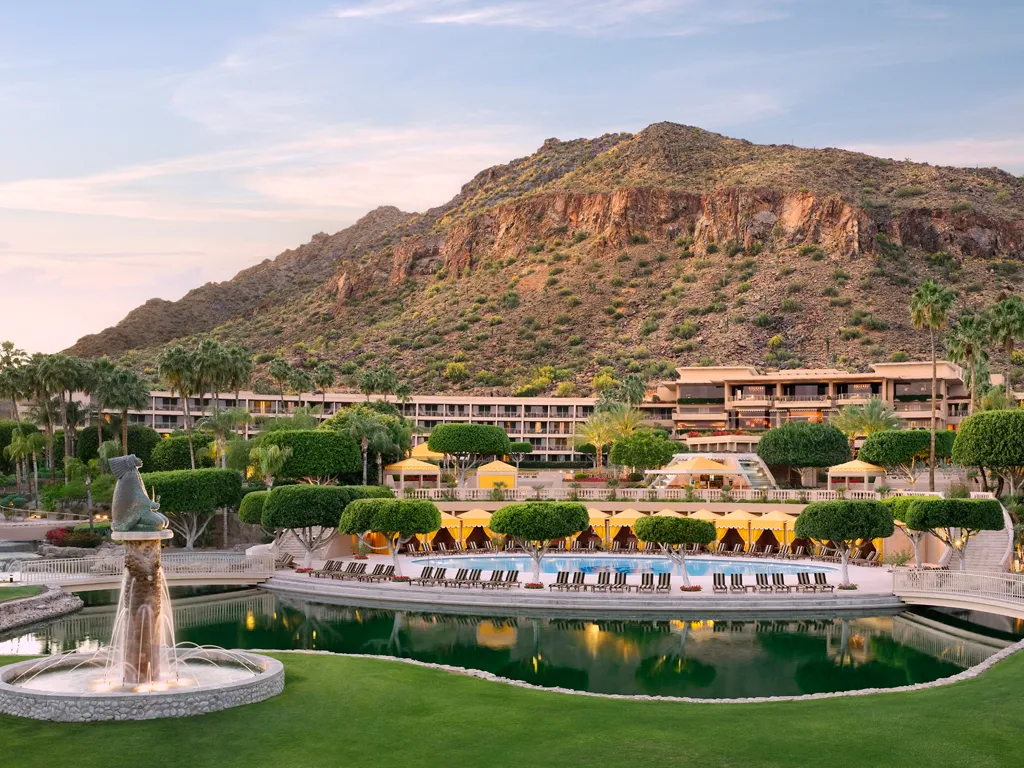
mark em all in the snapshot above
pixel 697 566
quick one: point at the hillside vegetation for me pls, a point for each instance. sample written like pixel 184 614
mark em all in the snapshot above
pixel 633 253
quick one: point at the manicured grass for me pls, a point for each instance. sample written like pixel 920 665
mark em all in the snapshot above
pixel 13 593
pixel 362 712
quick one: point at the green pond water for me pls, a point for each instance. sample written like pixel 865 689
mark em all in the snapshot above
pixel 706 658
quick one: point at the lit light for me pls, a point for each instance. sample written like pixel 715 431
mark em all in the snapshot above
pixel 159 687
pixel 250 621
pixel 102 686
pixel 314 634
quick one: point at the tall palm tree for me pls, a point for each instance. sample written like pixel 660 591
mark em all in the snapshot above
pixel 323 377
pixel 300 381
pixel 97 374
pixel 62 375
pixel 597 431
pixel 368 383
pixel 1006 326
pixel 632 389
pixel 965 345
pixel 125 390
pixel 223 424
pixel 864 419
pixel 12 360
pixel 213 369
pixel 387 380
pixel 177 368
pixel 241 367
pixel 382 443
pixel 403 393
pixel 929 305
pixel 361 428
pixel 625 419
pixel 268 461
pixel 280 372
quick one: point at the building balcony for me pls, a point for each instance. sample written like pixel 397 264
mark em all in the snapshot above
pixel 750 401
pixel 800 400
pixel 708 413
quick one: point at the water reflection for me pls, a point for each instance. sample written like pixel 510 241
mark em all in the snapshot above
pixel 711 659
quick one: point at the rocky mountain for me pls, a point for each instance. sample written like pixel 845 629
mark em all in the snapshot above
pixel 674 246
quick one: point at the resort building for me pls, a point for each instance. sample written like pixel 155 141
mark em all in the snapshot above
pixel 742 398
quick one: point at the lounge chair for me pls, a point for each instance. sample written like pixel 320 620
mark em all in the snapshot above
pixel 631 547
pixel 441 548
pixel 779 583
pixel 803 582
pixel 579 581
pixel 329 567
pixel 351 573
pixel 821 583
pixel 720 549
pixel 646 583
pixel 473 547
pixel 511 579
pixel 384 575
pixel 604 582
pixel 460 577
pixel 561 582
pixel 754 551
pixel 473 579
pixel 616 546
pixel 440 576
pixel 377 570
pixel 592 545
pixel 426 576
pixel 620 584
pixel 285 560
pixel 718 582
pixel 496 580
pixel 798 553
pixel 736 584
pixel 664 582
pixel 872 558
pixel 761 582
pixel 783 552
pixel 575 546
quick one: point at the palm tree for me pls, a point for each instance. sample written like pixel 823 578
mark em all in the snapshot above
pixel 240 367
pixel 280 372
pixel 223 424
pixel 625 419
pixel 597 431
pixel 382 443
pixel 323 377
pixel 965 345
pixel 403 393
pixel 865 419
pixel 97 375
pixel 929 305
pixel 300 381
pixel 268 461
pixel 177 367
pixel 24 445
pixel 361 428
pixel 15 451
pixel 1006 326
pixel 632 389
pixel 125 390
pixel 368 383
pixel 12 360
pixel 387 380
pixel 61 375
pixel 212 369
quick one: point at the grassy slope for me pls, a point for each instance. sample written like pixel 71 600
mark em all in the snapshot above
pixel 354 712
pixel 13 593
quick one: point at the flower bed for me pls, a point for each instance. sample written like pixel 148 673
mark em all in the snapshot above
pixel 693 588
pixel 303 570
pixel 847 587
pixel 404 579
pixel 533 585
pixel 359 557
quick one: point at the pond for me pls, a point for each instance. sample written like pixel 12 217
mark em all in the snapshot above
pixel 706 659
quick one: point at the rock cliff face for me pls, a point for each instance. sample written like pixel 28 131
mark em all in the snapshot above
pixel 671 247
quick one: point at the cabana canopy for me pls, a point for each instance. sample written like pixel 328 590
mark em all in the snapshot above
pixel 697 465
pixel 421 451
pixel 626 517
pixel 775 519
pixel 494 472
pixel 597 517
pixel 475 517
pixel 449 521
pixel 413 467
pixel 705 514
pixel 668 513
pixel 860 471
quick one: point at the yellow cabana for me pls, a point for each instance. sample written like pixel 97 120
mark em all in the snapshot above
pixel 704 514
pixel 777 520
pixel 424 453
pixel 475 518
pixel 668 513
pixel 695 467
pixel 413 467
pixel 738 519
pixel 860 472
pixel 497 472
pixel 623 519
pixel 452 523
pixel 599 522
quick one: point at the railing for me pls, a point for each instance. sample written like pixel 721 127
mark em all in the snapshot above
pixel 181 564
pixel 990 588
pixel 646 494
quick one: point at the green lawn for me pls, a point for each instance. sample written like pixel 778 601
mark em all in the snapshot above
pixel 13 593
pixel 361 712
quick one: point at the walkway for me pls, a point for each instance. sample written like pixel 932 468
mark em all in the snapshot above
pixel 991 592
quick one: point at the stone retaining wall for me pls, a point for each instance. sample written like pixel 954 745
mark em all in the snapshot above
pixel 50 604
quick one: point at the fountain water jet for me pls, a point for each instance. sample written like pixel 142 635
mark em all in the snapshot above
pixel 142 674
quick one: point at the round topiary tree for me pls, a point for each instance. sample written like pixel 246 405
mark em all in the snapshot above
pixel 642 450
pixel 250 510
pixel 900 506
pixel 993 440
pixel 955 521
pixel 468 444
pixel 537 524
pixel 190 497
pixel 804 444
pixel 172 453
pixel 312 512
pixel 673 535
pixel 318 456
pixel 844 523
pixel 519 451
pixel 905 451
pixel 397 520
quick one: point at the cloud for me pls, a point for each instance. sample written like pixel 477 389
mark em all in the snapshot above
pixel 963 152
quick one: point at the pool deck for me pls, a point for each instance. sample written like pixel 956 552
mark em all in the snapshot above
pixel 873 596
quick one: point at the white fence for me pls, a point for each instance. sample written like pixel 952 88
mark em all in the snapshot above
pixel 645 494
pixel 990 589
pixel 178 566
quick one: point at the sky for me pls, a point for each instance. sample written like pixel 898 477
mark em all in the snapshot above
pixel 148 148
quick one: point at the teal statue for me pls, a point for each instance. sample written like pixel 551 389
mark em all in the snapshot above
pixel 132 509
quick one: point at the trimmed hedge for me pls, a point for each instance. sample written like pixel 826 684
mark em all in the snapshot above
pixel 202 490
pixel 250 510
pixel 844 521
pixel 900 505
pixel 642 450
pixel 480 439
pixel 317 453
pixel 304 506
pixel 893 447
pixel 804 444
pixel 171 453
pixel 674 530
pixel 141 441
pixel 402 517
pixel 991 439
pixel 540 521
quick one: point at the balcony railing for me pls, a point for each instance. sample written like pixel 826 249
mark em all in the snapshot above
pixel 644 494
pixel 992 589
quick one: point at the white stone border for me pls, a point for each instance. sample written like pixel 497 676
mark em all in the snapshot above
pixel 967 674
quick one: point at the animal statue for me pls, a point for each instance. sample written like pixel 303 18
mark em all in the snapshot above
pixel 132 509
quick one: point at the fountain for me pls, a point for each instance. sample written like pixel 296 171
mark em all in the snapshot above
pixel 142 674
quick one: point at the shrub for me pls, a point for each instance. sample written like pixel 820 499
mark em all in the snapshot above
pixel 905 450
pixel 789 305
pixel 993 439
pixel 141 441
pixel 956 521
pixel 317 454
pixel 642 450
pixel 764 320
pixel 804 444
pixel 686 330
pixel 910 192
pixel 82 539
pixel 171 453
pixel 190 497
pixel 398 520
pixel 250 510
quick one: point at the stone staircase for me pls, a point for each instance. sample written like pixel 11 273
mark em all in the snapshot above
pixel 986 551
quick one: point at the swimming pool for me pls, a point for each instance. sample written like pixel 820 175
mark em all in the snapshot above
pixel 695 566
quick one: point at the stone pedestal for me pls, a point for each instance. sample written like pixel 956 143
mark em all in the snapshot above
pixel 142 601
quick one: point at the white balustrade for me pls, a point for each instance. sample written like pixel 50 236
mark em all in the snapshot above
pixel 998 588
pixel 175 564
